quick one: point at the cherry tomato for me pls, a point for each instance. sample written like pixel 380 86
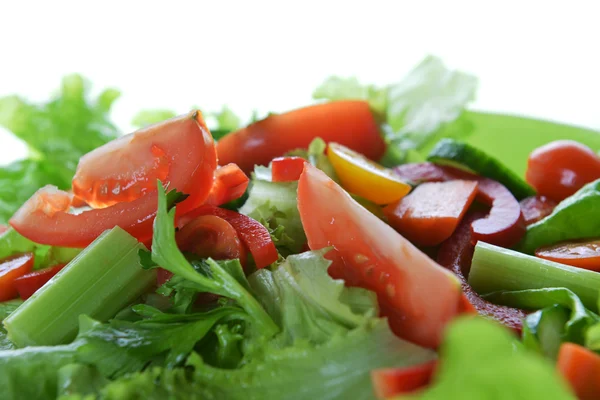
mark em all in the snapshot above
pixel 581 368
pixel 536 208
pixel 364 177
pixel 119 176
pixel 583 254
pixel 368 253
pixel 347 122
pixel 10 269
pixel 559 169
pixel 392 382
pixel 230 184
pixel 287 169
pixel 30 283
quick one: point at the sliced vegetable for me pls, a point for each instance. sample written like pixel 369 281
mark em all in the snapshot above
pixel 450 151
pixel 574 218
pixel 391 382
pixel 536 208
pixel 581 368
pixel 368 253
pixel 287 169
pixel 30 283
pixel 559 169
pixel 347 122
pixel 100 281
pixel 583 254
pixel 430 214
pixel 497 269
pixel 230 184
pixel 10 269
pixel 181 150
pixel 254 235
pixel 456 253
pixel 364 177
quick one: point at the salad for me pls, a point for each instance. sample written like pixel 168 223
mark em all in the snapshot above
pixel 382 243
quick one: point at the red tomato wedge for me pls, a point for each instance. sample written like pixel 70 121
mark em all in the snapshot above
pixel 230 184
pixel 120 175
pixel 503 226
pixel 581 368
pixel 583 254
pixel 559 169
pixel 391 382
pixel 456 254
pixel 30 283
pixel 419 296
pixel 430 214
pixel 287 169
pixel 347 122
pixel 10 269
pixel 536 208
pixel 252 233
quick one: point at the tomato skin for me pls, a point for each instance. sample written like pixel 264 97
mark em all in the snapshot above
pixel 10 269
pixel 230 184
pixel 536 208
pixel 581 368
pixel 30 283
pixel 44 218
pixel 251 232
pixel 287 169
pixel 559 169
pixel 419 296
pixel 581 254
pixel 347 122
pixel 391 382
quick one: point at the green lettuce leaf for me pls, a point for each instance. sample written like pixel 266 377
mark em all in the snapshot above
pixel 150 117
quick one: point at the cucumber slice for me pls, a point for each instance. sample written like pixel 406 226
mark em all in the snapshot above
pixel 465 156
pixel 99 282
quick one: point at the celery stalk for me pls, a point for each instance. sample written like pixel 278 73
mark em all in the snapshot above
pixel 100 281
pixel 495 269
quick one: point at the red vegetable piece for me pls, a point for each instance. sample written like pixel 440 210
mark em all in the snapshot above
pixel 3 228
pixel 251 232
pixel 391 382
pixel 430 214
pixel 581 254
pixel 30 283
pixel 536 208
pixel 230 184
pixel 581 368
pixel 10 269
pixel 428 172
pixel 286 169
pixel 456 254
pixel 559 169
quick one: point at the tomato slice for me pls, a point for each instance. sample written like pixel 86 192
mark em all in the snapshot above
pixel 581 368
pixel 430 214
pixel 30 283
pixel 391 382
pixel 10 269
pixel 536 208
pixel 581 254
pixel 230 184
pixel 419 296
pixel 287 169
pixel 186 145
pixel 252 233
pixel 559 169
pixel 347 122
pixel 366 178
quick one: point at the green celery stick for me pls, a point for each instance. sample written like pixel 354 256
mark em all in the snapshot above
pixel 495 269
pixel 100 281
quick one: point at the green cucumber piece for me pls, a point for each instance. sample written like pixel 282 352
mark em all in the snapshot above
pixel 463 155
pixel 99 282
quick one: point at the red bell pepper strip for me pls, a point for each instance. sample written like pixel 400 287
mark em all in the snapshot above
pixel 230 184
pixel 581 368
pixel 391 382
pixel 30 283
pixel 10 269
pixel 536 208
pixel 254 235
pixel 287 169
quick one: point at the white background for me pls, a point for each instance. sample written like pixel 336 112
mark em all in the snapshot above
pixel 532 58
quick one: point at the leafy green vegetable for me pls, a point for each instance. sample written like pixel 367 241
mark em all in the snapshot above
pixel 336 88
pixel 315 154
pixel 480 360
pixel 150 117
pixel 574 218
pixel 7 308
pixel 57 133
pixel 80 379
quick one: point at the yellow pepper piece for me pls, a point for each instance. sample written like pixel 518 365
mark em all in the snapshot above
pixel 366 178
